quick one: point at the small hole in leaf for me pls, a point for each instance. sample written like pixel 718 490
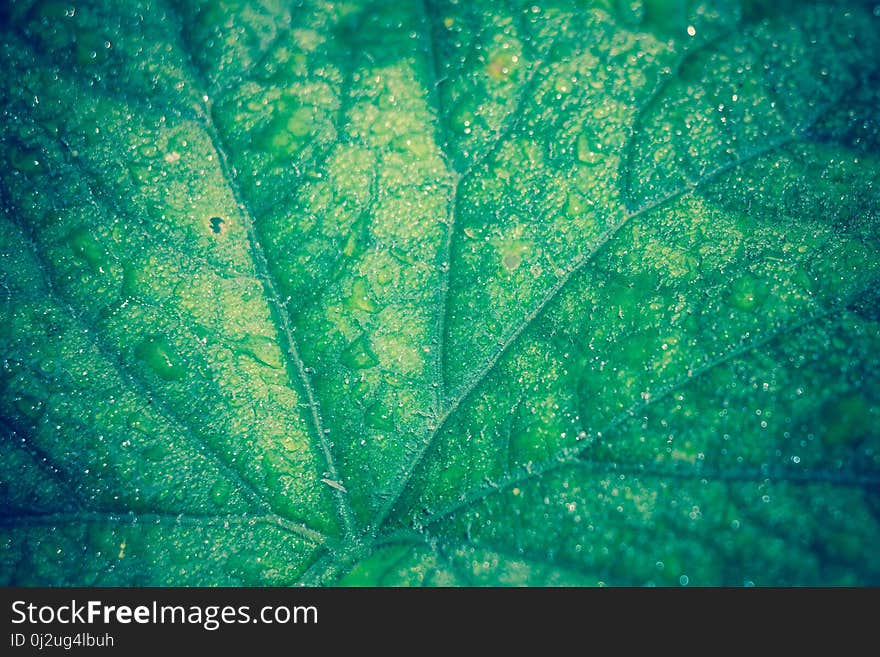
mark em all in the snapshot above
pixel 217 225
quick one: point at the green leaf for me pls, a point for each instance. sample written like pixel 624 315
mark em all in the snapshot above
pixel 440 293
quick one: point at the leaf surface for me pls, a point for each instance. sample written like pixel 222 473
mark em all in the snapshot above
pixel 440 293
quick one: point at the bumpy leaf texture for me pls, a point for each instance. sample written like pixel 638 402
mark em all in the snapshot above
pixel 443 293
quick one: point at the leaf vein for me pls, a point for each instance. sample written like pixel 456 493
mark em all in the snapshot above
pixel 294 364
